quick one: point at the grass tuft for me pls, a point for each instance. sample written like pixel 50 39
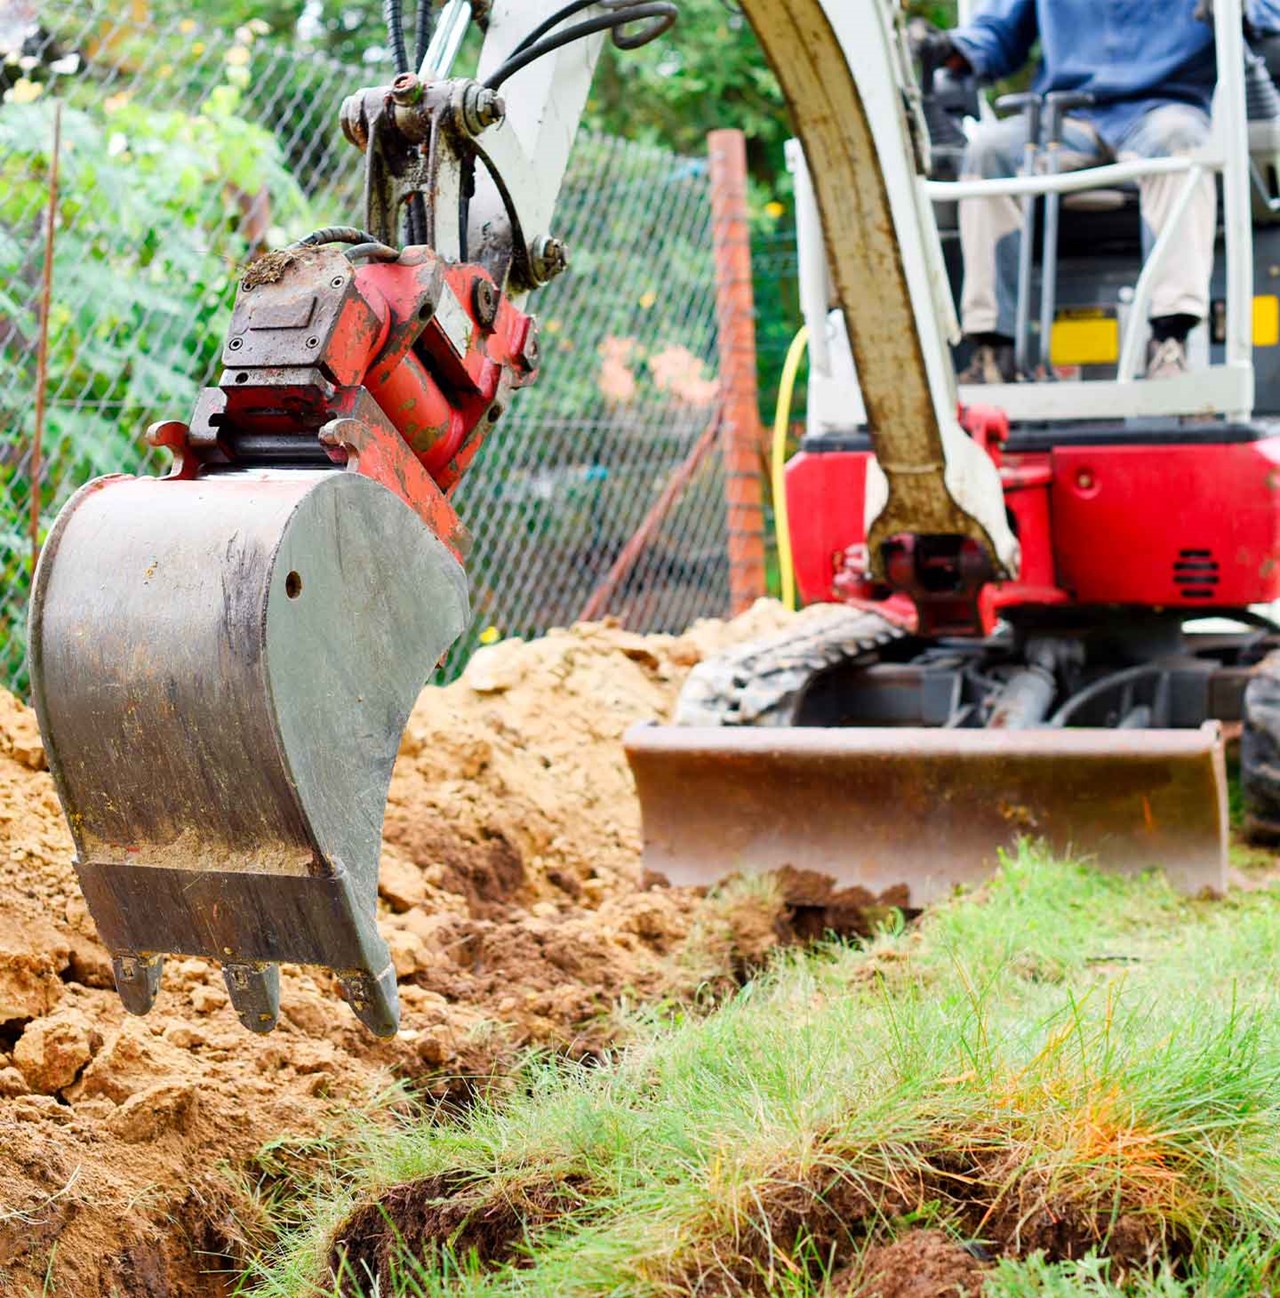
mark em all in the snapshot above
pixel 1073 1079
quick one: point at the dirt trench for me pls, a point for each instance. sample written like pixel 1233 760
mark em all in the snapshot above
pixel 513 902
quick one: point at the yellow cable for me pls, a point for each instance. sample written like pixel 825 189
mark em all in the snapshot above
pixel 778 463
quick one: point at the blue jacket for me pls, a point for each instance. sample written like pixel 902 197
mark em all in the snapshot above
pixel 1130 54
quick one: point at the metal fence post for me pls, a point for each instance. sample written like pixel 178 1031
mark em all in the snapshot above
pixel 739 395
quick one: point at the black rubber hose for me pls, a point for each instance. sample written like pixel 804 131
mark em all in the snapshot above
pixel 334 234
pixel 373 251
pixel 415 221
pixel 549 24
pixel 394 15
pixel 664 23
pixel 1129 676
pixel 663 12
pixel 415 216
pixel 424 31
pixel 576 7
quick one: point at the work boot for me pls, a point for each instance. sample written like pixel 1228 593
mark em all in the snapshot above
pixel 1166 359
pixel 990 363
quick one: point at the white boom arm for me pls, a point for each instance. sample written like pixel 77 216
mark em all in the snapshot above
pixel 843 69
pixel 547 100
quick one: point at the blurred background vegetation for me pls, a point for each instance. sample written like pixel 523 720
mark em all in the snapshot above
pixel 706 73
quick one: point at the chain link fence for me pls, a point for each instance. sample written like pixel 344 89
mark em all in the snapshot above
pixel 184 152
pixel 775 266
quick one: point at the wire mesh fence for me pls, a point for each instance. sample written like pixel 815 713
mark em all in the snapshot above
pixel 184 152
pixel 775 266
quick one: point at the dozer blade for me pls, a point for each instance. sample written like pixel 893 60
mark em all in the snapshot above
pixel 222 670
pixel 927 809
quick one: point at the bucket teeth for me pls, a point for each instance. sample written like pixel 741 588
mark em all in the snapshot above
pixel 255 994
pixel 137 980
pixel 373 1000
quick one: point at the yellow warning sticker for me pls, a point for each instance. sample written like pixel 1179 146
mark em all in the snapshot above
pixel 1085 336
pixel 1266 321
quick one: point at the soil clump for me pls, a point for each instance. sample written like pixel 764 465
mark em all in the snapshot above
pixel 919 1264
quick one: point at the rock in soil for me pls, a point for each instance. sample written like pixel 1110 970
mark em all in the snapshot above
pixel 52 1052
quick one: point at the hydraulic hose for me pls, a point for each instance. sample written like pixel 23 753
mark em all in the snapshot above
pixel 778 464
pixel 662 12
pixel 394 16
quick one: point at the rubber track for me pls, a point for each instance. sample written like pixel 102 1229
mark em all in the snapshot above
pixel 1260 753
pixel 761 682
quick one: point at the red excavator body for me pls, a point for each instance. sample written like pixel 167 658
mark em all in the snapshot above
pixel 911 726
pixel 1189 522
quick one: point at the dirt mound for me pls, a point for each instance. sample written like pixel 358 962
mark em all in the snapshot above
pixel 921 1264
pixel 515 909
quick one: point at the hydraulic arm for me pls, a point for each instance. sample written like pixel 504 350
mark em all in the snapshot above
pixel 224 658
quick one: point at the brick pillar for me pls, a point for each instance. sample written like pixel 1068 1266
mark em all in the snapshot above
pixel 741 438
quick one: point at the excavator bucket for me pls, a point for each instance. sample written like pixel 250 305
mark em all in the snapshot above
pixel 222 670
pixel 928 810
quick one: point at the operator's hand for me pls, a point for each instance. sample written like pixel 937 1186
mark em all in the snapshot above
pixel 934 47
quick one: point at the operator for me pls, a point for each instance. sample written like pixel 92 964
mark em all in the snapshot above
pixel 1149 66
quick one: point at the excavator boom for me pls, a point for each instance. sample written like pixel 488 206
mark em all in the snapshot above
pixel 844 71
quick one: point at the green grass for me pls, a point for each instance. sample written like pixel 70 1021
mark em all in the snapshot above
pixel 1245 1268
pixel 1065 1067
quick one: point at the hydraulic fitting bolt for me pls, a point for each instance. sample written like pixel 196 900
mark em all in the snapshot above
pixel 481 108
pixel 406 90
pixel 549 257
pixel 484 303
pixel 529 352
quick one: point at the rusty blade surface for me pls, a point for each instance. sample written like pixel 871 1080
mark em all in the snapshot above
pixel 928 809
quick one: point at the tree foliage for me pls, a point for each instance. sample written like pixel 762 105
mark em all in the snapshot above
pixel 707 72
pixel 152 208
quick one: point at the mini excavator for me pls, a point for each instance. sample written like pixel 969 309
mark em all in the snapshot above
pixel 1068 677
pixel 224 658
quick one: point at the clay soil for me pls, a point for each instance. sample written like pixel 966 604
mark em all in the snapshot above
pixel 921 1264
pixel 514 903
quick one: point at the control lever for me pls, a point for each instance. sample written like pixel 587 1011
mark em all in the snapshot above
pixel 1057 105
pixel 1030 105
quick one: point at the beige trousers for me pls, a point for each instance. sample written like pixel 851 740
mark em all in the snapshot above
pixel 991 228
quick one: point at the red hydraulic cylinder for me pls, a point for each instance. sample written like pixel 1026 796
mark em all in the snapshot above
pixel 410 398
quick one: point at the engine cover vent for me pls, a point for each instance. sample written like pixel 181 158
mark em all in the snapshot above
pixel 1195 573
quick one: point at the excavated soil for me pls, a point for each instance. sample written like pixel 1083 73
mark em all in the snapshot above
pixel 513 901
pixel 922 1264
